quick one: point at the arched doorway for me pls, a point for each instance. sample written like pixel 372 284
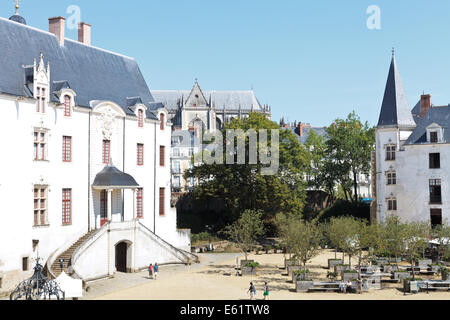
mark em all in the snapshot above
pixel 121 257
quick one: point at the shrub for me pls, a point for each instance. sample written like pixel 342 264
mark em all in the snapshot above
pixel 332 275
pixel 299 272
pixel 252 265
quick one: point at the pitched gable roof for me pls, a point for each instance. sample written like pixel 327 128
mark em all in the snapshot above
pixel 438 115
pixel 93 73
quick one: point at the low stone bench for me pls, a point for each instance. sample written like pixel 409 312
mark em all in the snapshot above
pixel 434 285
pixel 333 262
pixel 308 286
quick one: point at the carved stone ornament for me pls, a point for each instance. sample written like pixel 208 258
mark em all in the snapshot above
pixel 107 123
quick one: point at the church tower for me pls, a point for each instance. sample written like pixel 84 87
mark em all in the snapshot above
pixel 395 125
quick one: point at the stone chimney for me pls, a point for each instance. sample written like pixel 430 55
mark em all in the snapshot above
pixel 300 129
pixel 57 26
pixel 425 104
pixel 84 33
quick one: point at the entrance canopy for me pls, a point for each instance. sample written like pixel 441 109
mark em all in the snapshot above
pixel 112 178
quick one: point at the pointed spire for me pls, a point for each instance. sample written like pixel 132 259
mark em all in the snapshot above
pixel 395 110
pixel 17 2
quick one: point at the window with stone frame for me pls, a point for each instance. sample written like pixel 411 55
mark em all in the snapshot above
pixel 162 121
pixel 435 160
pixel 392 204
pixel 140 118
pixel 436 217
pixel 40 205
pixel 40 96
pixel 162 155
pixel 433 137
pixel 140 154
pixel 139 203
pixel 67 149
pixel 106 154
pixel 67 106
pixel 391 178
pixel 390 152
pixel 25 263
pixel 162 192
pixel 40 145
pixel 66 207
pixel 435 191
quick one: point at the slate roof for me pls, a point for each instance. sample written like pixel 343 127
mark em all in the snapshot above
pixel 93 73
pixel 320 131
pixel 110 176
pixel 228 100
pixel 438 115
pixel 395 110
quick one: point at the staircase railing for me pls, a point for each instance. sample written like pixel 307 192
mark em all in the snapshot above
pixel 187 257
pixel 61 249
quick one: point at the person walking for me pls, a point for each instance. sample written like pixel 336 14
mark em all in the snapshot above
pixel 150 271
pixel 156 268
pixel 266 291
pixel 252 291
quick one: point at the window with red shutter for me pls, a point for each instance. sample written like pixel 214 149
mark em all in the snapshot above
pixel 67 106
pixel 161 201
pixel 139 203
pixel 106 152
pixel 140 154
pixel 67 149
pixel 162 118
pixel 140 118
pixel 162 155
pixel 67 206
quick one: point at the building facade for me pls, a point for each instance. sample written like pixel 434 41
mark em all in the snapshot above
pixel 412 149
pixel 86 178
pixel 196 111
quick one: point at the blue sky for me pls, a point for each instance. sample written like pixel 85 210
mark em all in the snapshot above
pixel 312 61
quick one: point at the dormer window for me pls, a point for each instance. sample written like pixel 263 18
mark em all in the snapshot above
pixel 40 96
pixel 140 118
pixel 434 137
pixel 67 106
pixel 162 118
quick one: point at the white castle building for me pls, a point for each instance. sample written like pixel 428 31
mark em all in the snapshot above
pixel 85 168
pixel 412 157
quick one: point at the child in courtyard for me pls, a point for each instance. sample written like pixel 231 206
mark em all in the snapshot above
pixel 156 268
pixel 150 271
pixel 266 291
pixel 252 291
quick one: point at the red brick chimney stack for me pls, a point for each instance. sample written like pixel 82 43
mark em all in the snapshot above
pixel 57 26
pixel 84 33
pixel 425 104
pixel 300 129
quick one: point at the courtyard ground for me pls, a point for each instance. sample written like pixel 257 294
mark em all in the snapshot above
pixel 214 279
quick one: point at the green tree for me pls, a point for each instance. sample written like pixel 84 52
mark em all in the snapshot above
pixel 349 148
pixel 242 186
pixel 302 238
pixel 393 236
pixel 339 231
pixel 416 240
pixel 441 234
pixel 246 230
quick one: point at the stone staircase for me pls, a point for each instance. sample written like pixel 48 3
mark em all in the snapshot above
pixel 67 255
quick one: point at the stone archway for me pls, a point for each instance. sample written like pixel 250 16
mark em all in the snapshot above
pixel 122 257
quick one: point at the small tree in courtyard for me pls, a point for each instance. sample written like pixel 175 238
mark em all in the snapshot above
pixel 339 231
pixel 305 239
pixel 392 236
pixel 246 230
pixel 416 241
pixel 441 234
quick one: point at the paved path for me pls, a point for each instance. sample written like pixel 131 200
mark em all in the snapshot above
pixel 128 280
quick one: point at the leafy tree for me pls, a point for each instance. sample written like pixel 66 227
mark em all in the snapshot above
pixel 393 236
pixel 416 240
pixel 242 186
pixel 302 238
pixel 349 148
pixel 364 238
pixel 339 231
pixel 316 147
pixel 441 234
pixel 245 231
